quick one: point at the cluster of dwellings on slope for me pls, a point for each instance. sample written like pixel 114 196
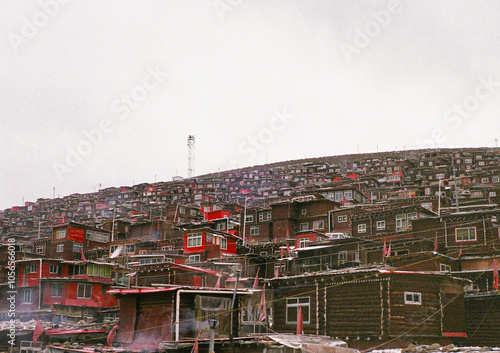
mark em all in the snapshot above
pixel 368 260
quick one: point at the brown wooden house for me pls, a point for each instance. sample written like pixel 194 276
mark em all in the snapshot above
pixel 367 307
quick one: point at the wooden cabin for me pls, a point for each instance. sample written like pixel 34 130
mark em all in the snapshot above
pixel 367 307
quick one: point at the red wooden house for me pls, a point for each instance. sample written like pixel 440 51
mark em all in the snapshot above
pixel 72 288
pixel 202 244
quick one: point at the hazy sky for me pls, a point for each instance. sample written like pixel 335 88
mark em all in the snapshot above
pixel 106 92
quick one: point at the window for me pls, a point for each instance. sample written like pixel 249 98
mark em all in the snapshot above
pixel 61 234
pixel 342 257
pixel 304 226
pixel 427 205
pixel 280 267
pixel 75 270
pixel 303 242
pixel 249 218
pixel 194 240
pixel 495 179
pixel 77 247
pixel 129 248
pixel 339 195
pixel 84 291
pixel 348 194
pixel 221 226
pixel 342 219
pixel 60 248
pixel 182 210
pixel 380 225
pixel 318 224
pixel 30 268
pixel 292 309
pixel 105 271
pixel 465 234
pixel 485 180
pixel 56 290
pixel 444 268
pixel 223 243
pixel 194 258
pixel 113 248
pixel 254 230
pixel 303 211
pixel 400 222
pixel 92 270
pixel 27 295
pixel 362 228
pixel 40 249
pixel 413 298
pixel 53 269
pixel 264 216
pixel 192 212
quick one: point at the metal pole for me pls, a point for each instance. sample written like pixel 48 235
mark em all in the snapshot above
pixel 244 220
pixel 231 335
pixel 439 198
pixel 212 340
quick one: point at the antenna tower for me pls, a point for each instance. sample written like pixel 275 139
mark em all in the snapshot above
pixel 191 157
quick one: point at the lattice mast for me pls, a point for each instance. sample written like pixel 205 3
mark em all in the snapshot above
pixel 191 155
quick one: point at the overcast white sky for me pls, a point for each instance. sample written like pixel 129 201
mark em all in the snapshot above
pixel 252 80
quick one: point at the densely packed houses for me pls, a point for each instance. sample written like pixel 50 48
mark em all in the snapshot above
pixel 382 242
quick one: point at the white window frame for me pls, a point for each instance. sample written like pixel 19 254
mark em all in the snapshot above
pixel 129 248
pixel 85 294
pixel 342 219
pixel 60 248
pixel 249 218
pixel 303 242
pixel 77 247
pixel 444 268
pixel 53 268
pixel 381 225
pixel 401 222
pixel 40 249
pixel 265 216
pixel 343 257
pixel 362 228
pixel 223 243
pixel 319 224
pixel 469 238
pixel 295 303
pixel 56 290
pixel 304 226
pixel 194 240
pixel 254 230
pixel 413 298
pixel 194 258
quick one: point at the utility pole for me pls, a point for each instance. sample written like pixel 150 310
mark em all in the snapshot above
pixel 456 191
